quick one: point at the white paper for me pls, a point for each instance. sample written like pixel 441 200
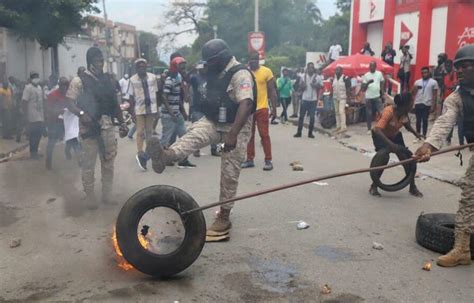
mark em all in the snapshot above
pixel 71 125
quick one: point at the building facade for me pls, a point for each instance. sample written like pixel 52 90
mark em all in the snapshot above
pixel 429 27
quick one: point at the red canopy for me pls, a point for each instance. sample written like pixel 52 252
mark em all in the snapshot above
pixel 356 65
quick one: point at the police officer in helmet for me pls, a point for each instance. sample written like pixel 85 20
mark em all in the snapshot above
pixel 459 104
pixel 228 108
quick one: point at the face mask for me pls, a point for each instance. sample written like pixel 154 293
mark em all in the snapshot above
pixel 215 69
pixel 35 81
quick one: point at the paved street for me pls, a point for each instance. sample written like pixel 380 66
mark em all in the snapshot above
pixel 66 252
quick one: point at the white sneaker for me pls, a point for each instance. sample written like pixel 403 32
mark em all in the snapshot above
pixel 369 132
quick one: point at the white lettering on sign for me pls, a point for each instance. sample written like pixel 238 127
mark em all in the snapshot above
pixel 466 37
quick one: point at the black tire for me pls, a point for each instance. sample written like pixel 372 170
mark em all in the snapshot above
pixel 381 158
pixel 160 266
pixel 436 232
pixel 327 118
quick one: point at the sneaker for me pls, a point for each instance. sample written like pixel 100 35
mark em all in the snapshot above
pixel 268 165
pixel 374 192
pixel 141 160
pixel 311 136
pixel 297 135
pixel 294 116
pixel 186 164
pixel 247 164
pixel 157 154
pixel 215 153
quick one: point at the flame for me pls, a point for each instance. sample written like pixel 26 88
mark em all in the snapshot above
pixel 121 262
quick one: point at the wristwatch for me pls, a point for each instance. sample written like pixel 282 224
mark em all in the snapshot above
pixel 81 113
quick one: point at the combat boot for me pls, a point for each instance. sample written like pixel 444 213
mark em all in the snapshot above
pixel 221 225
pixel 158 155
pixel 90 200
pixel 460 254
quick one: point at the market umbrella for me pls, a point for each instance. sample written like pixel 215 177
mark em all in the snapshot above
pixel 356 65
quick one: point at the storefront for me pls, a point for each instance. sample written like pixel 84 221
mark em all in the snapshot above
pixel 429 27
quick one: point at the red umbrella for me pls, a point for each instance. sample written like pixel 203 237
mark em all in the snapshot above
pixel 356 65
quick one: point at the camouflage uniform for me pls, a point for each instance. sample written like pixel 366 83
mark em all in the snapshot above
pixel 453 109
pixel 90 147
pixel 204 132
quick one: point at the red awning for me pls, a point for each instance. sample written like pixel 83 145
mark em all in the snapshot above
pixel 356 65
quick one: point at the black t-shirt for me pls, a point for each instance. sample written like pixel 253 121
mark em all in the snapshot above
pixel 198 85
pixel 388 56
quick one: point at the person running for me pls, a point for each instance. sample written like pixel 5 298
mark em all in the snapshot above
pixel 386 133
pixel 426 92
pixel 285 87
pixel 266 89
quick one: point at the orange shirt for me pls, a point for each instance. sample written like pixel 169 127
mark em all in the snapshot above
pixel 389 123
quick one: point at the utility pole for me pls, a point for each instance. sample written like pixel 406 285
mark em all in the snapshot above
pixel 107 39
pixel 256 16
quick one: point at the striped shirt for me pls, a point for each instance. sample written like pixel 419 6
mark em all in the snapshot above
pixel 172 91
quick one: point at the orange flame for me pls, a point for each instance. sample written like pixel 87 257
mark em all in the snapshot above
pixel 121 262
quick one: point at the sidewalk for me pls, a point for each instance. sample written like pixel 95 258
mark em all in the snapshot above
pixel 444 167
pixel 9 147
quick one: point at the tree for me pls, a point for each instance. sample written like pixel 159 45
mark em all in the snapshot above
pixel 148 43
pixel 344 5
pixel 47 21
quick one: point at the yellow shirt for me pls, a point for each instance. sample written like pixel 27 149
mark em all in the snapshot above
pixel 6 95
pixel 262 76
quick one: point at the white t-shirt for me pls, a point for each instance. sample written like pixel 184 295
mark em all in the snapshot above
pixel 335 51
pixel 373 90
pixel 424 94
pixel 124 87
pixel 310 93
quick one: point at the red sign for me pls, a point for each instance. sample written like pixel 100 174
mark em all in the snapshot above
pixel 405 34
pixel 460 27
pixel 256 43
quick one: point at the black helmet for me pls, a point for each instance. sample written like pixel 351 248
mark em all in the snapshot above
pixel 216 48
pixel 465 53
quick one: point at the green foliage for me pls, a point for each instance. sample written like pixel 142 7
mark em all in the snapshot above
pixel 295 54
pixel 47 21
pixel 275 63
pixel 148 42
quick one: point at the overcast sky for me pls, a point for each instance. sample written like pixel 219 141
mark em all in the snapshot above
pixel 147 14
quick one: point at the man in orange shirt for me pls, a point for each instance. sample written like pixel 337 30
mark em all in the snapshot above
pixel 386 133
pixel 265 89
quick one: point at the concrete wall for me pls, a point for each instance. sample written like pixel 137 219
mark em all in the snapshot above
pixel 72 55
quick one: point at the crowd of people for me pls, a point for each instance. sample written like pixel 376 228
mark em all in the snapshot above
pixel 228 102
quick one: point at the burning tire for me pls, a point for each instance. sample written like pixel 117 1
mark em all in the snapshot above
pixel 147 258
pixel 436 232
pixel 381 158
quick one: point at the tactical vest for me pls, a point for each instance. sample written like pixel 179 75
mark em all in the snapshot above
pixel 217 96
pixel 468 114
pixel 98 96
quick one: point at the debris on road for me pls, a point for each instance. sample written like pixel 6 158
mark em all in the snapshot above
pixel 427 265
pixel 320 183
pixel 51 200
pixel 302 225
pixel 377 246
pixel 297 165
pixel 15 242
pixel 326 289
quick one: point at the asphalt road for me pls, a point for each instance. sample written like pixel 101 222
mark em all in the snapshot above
pixel 66 252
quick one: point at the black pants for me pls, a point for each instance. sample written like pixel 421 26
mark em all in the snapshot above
pixel 404 81
pixel 310 108
pixel 7 121
pixel 422 113
pixel 55 133
pixel 35 131
pixel 72 144
pixel 284 103
pixel 380 144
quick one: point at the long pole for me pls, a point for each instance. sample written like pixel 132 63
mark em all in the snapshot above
pixel 336 175
pixel 256 16
pixel 107 37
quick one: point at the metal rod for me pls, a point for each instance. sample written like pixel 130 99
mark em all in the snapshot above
pixel 299 183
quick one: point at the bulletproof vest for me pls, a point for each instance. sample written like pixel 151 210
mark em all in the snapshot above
pixel 217 96
pixel 468 114
pixel 98 97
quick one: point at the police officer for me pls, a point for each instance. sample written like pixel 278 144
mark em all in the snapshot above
pixel 228 108
pixel 459 104
pixel 93 98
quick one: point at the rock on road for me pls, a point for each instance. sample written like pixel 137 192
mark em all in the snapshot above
pixel 66 252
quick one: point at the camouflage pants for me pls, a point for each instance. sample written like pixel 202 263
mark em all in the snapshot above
pixel 90 152
pixel 465 214
pixel 203 133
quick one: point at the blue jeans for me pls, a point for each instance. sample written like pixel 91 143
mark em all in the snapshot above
pixel 171 128
pixel 310 108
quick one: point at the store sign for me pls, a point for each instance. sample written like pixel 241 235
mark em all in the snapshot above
pixel 256 43
pixel 317 58
pixel 466 37
pixel 371 10
pixel 406 33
